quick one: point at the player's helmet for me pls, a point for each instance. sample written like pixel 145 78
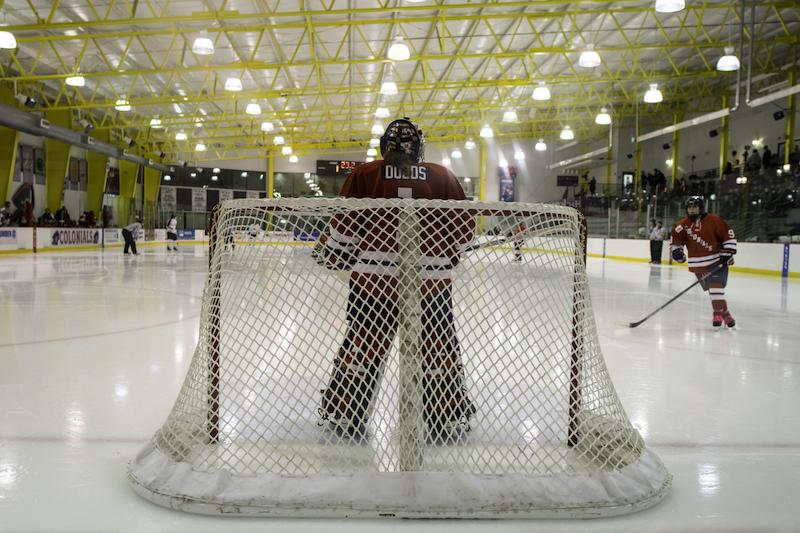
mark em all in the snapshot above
pixel 402 135
pixel 696 201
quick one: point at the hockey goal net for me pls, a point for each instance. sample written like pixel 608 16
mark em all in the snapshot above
pixel 405 358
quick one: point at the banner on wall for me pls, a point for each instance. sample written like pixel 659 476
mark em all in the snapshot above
pixel 507 177
pixel 198 199
pixel 169 198
pixel 252 194
pixel 112 236
pixel 225 194
pixel 8 236
pixel 185 234
pixel 74 237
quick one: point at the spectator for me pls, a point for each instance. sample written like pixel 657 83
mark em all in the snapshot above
pixel 754 161
pixel 766 158
pixel 745 158
pixel 728 168
pixel 593 186
pixel 91 219
pixel 657 235
pixel 47 218
pixel 5 214
pixel 82 220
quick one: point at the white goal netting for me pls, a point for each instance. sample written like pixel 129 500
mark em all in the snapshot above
pixel 403 358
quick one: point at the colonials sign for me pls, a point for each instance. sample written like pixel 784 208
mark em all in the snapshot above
pixel 8 236
pixel 74 237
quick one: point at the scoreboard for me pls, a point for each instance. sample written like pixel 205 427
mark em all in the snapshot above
pixel 336 168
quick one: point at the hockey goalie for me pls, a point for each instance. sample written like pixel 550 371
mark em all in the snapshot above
pixel 364 242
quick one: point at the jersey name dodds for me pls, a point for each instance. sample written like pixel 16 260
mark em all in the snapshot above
pixel 415 173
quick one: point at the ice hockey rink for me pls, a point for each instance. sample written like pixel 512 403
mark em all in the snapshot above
pixel 95 347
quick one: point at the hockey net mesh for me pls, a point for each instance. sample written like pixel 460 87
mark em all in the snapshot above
pixel 487 364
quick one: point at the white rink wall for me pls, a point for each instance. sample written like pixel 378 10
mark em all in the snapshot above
pixel 752 257
pixel 26 240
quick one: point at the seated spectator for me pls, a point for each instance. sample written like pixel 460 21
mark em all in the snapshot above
pixel 82 220
pixel 47 218
pixel 6 214
pixel 728 169
pixel 91 219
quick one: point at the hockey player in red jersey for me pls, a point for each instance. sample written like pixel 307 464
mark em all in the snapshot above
pixel 365 241
pixel 710 242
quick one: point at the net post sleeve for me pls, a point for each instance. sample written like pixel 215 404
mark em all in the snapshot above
pixel 577 348
pixel 409 294
pixel 214 313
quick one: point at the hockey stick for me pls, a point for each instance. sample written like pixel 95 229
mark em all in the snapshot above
pixel 478 246
pixel 684 291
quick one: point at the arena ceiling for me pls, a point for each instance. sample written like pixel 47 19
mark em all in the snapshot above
pixel 316 67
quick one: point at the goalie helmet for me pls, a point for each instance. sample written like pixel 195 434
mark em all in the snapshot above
pixel 403 136
pixel 696 201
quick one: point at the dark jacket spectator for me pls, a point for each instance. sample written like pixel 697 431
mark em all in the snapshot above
pixel 593 186
pixel 47 218
pixel 754 161
pixel 766 159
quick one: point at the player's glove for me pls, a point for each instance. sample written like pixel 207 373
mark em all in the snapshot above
pixel 678 256
pixel 332 259
pixel 726 256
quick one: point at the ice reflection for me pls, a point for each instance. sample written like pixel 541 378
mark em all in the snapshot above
pixel 708 479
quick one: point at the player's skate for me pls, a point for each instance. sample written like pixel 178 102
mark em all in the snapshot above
pixel 728 319
pixel 448 409
pixel 346 402
pixel 716 321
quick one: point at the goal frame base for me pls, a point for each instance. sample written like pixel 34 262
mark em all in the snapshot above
pixel 637 486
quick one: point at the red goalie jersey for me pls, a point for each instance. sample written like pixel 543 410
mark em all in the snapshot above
pixel 369 235
pixel 703 240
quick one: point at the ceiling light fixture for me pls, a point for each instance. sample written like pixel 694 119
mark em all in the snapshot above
pixel 286 150
pixel 589 58
pixel 372 152
pixel 603 118
pixel 203 46
pixel 200 147
pixel 253 109
pixel 541 92
pixel 382 112
pixel 567 134
pixel 389 88
pixel 486 132
pixel 399 50
pixel 653 95
pixel 377 129
pixel 293 159
pixel 510 116
pixel 7 40
pixel 278 140
pixel 540 146
pixel 233 84
pixel 374 143
pixel 519 155
pixel 729 62
pixel 369 160
pixel 456 153
pixel 470 144
pixel 75 81
pixel 180 136
pixel 155 123
pixel 122 104
pixel 669 6
pixel 267 126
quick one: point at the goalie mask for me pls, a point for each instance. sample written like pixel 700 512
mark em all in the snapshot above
pixel 695 201
pixel 404 137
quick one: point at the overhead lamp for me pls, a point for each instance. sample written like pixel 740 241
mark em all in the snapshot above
pixel 25 100
pixel 293 159
pixel 213 178
pixel 244 174
pixel 200 147
pixel 203 46
pixel 122 104
pixel 729 62
pixel 372 152
pixel 567 134
pixel 267 126
pixel 377 129
pixel 653 95
pixel 7 40
pixel 192 174
pixel 278 140
pixel 233 84
pixel 398 51
pixel 669 6
pixel 668 162
pixel 446 161
pixel 787 167
pixel 180 136
pixel 540 146
pixel 456 153
pixel 155 123
pixel 389 88
pixel 382 112
pixel 198 123
pixel 589 58
pixel 369 160
pixel 167 177
pixel 542 92
pixel 510 116
pixel 286 150
pixel 253 109
pixel 86 125
pixel 374 143
pixel 470 144
pixel 75 81
pixel 486 132
pixel 519 155
pixel 215 170
pixel 603 118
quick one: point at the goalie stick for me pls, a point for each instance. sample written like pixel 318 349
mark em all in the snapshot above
pixel 684 291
